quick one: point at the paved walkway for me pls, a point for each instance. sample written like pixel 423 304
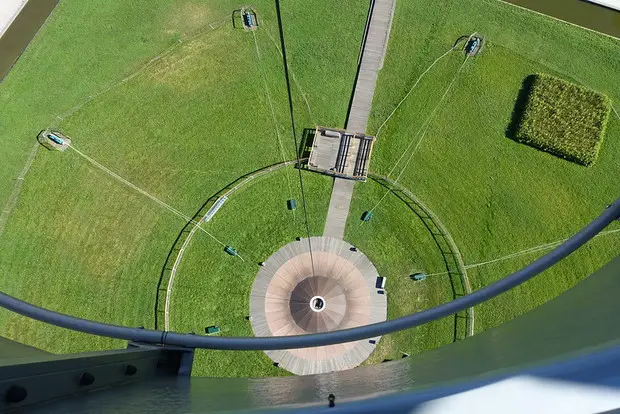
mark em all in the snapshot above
pixel 283 302
pixel 375 45
pixel 338 208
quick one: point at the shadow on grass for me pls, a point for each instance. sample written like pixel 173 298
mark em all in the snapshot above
pixel 519 108
pixel 166 270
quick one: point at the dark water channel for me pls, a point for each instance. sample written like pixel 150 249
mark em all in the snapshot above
pixel 580 12
pixel 21 32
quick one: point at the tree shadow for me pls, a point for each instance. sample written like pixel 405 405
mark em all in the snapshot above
pixel 519 108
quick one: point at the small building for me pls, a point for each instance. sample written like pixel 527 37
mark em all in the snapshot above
pixel 340 153
pixel 250 22
pixel 246 16
pixel 53 140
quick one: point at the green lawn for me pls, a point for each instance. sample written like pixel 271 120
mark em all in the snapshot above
pixel 494 195
pixel 182 128
pixel 198 117
pixel 83 48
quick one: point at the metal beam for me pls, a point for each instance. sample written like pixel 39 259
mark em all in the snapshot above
pixel 611 213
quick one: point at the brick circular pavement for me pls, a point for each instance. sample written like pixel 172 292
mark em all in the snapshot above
pixel 290 296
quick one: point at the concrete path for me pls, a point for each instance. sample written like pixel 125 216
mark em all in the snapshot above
pixel 375 45
pixel 378 33
pixel 338 208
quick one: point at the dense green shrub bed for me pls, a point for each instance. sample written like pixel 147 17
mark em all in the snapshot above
pixel 564 119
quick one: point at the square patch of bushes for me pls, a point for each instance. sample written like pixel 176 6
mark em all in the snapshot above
pixel 564 119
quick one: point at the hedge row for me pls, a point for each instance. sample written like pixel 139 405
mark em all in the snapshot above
pixel 564 119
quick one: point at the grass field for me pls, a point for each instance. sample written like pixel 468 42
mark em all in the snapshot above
pixel 187 124
pixel 495 195
pixel 182 127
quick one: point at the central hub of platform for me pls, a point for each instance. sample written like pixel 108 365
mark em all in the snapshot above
pixel 296 293
pixel 317 304
pixel 309 304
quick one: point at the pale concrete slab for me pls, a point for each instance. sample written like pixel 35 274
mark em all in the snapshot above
pixel 612 4
pixel 9 9
pixel 283 294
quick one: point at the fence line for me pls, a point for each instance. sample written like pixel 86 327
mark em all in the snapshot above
pixel 445 235
pixel 226 192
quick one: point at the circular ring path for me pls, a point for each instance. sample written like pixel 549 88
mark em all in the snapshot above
pixel 289 297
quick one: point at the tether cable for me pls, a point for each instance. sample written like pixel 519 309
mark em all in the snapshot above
pixel 290 107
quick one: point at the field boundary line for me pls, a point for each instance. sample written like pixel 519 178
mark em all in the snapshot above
pixel 226 192
pixel 395 187
pixel 9 206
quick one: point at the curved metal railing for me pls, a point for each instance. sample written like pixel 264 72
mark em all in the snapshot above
pixel 611 213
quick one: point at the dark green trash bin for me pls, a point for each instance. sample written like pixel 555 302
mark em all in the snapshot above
pixel 212 329
pixel 291 204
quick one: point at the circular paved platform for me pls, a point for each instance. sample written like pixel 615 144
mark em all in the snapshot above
pixel 289 299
